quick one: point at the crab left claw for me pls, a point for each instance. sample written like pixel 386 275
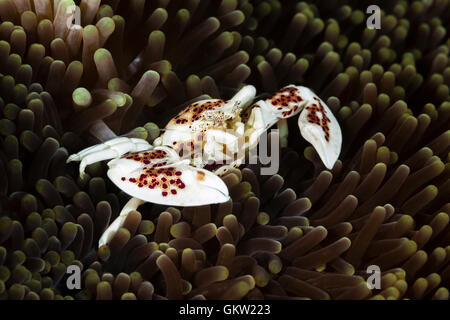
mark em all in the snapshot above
pixel 316 121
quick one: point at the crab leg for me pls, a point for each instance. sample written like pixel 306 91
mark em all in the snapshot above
pixel 116 143
pixel 215 142
pixel 255 126
pixel 282 126
pixel 108 234
pixel 108 150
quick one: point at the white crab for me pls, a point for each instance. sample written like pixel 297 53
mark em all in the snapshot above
pixel 203 142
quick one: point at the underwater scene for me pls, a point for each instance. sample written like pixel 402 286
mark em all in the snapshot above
pixel 224 150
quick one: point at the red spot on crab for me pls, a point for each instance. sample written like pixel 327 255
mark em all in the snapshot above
pixel 313 117
pixel 164 194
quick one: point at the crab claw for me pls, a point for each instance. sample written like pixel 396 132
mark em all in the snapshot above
pixel 316 121
pixel 159 176
pixel 320 128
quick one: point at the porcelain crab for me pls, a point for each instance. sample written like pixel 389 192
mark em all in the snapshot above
pixel 202 142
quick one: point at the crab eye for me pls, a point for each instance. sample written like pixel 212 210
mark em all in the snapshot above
pixel 159 176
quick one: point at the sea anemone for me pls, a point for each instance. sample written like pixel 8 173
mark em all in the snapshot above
pixel 304 233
